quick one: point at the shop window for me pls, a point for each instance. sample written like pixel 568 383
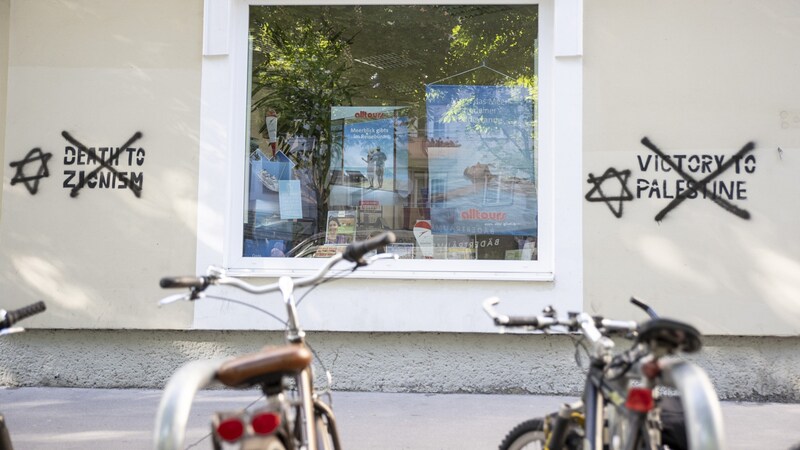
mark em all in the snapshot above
pixel 419 119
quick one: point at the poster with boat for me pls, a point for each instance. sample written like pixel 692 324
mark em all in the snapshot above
pixel 481 159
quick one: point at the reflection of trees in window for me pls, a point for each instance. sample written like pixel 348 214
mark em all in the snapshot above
pixel 300 68
pixel 503 127
pixel 307 59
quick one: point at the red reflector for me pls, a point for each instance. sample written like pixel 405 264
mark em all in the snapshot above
pixel 230 430
pixel 639 400
pixel 265 423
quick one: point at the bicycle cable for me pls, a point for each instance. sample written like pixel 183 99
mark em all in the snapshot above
pixel 335 276
pixel 248 305
pixel 338 275
pixel 196 443
pixel 579 343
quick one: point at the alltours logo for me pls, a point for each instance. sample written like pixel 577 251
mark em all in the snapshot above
pixel 474 214
pixel 370 115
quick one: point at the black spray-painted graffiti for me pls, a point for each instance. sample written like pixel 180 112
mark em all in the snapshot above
pixel 596 194
pixel 679 190
pixel 109 158
pixel 686 166
pixel 31 181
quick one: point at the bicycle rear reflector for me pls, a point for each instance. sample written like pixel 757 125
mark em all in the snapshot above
pixel 639 400
pixel 230 430
pixel 265 423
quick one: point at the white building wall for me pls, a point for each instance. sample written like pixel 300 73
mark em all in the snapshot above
pixel 695 78
pixel 698 80
pixel 100 72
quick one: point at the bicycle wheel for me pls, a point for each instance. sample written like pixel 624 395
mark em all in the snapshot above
pixel 5 439
pixel 324 439
pixel 528 435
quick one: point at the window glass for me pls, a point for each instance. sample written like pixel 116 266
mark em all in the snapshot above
pixel 419 119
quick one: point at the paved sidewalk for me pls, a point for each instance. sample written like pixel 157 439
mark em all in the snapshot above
pixel 120 419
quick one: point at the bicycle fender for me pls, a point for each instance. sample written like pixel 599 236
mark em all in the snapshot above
pixel 703 416
pixel 176 402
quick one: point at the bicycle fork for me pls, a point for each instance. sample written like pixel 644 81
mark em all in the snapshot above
pixel 567 414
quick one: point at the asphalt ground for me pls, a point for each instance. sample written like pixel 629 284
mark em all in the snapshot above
pixel 120 419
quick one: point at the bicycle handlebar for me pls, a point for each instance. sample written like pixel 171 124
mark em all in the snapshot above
pixel 588 325
pixel 354 252
pixel 507 321
pixel 9 318
pixel 184 282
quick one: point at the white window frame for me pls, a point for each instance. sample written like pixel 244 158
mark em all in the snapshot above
pixel 222 166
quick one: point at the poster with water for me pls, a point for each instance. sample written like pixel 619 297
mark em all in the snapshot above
pixel 481 159
pixel 373 153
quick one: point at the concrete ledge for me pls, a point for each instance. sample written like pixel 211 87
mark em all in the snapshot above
pixel 742 368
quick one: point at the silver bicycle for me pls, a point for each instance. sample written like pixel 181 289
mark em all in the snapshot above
pixel 293 415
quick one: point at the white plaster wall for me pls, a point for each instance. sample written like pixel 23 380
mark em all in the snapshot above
pixel 4 8
pixel 696 78
pixel 101 71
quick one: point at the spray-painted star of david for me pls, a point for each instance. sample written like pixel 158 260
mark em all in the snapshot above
pixel 596 194
pixel 32 181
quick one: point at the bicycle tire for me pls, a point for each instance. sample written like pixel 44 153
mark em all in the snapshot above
pixel 524 435
pixel 530 435
pixel 327 433
pixel 324 439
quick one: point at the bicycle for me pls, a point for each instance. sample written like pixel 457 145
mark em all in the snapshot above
pixel 294 415
pixel 621 406
pixel 7 321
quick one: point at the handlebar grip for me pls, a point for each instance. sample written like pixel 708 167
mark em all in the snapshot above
pixel 355 251
pixel 650 311
pixel 15 316
pixel 183 282
pixel 522 321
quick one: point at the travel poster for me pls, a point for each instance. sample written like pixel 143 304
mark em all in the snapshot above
pixel 369 149
pixel 481 166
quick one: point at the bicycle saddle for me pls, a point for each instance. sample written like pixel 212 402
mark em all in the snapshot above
pixel 670 334
pixel 265 365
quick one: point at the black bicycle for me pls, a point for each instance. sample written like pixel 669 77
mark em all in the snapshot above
pixel 7 321
pixel 622 407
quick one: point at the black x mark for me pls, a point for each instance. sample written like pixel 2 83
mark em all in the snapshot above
pixel 103 164
pixel 695 186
